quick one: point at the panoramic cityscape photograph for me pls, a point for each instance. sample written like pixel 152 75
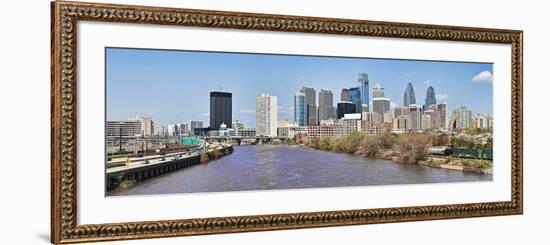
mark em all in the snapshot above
pixel 203 121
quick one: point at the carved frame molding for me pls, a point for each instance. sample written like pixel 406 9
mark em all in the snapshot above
pixel 65 16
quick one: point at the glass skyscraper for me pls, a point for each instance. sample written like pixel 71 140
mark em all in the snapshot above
pixel 300 109
pixel 409 98
pixel 363 80
pixel 352 95
pixel 430 98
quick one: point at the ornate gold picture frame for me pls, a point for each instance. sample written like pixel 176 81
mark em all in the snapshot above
pixel 64 108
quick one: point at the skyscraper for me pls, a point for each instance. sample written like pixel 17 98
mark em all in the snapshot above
pixel 409 98
pixel 352 95
pixel 311 105
pixel 363 80
pixel 344 95
pixel 266 115
pixel 430 98
pixel 415 115
pixel 193 125
pixel 380 105
pixel 326 105
pixel 442 109
pixel 461 118
pixel 300 109
pixel 377 91
pixel 220 109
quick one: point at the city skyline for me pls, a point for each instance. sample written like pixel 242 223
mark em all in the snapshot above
pixel 173 86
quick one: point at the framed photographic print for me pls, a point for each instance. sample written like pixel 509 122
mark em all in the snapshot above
pixel 175 122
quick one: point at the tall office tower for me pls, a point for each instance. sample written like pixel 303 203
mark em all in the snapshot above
pixel 415 114
pixel 193 125
pixel 377 91
pixel 266 115
pixel 442 109
pixel 352 95
pixel 220 109
pixel 430 98
pixel 326 105
pixel 380 105
pixel 409 98
pixel 311 103
pixel 461 118
pixel 300 109
pixel 363 80
pixel 345 107
pixel 344 95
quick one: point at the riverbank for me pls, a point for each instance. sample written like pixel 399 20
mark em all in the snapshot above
pixel 466 165
pixel 215 153
pixel 408 149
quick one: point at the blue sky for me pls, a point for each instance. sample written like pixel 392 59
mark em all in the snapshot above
pixel 173 86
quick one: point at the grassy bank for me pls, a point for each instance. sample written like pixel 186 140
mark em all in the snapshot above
pixel 400 148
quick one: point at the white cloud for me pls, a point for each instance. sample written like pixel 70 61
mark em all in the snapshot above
pixel 427 82
pixel 248 111
pixel 393 104
pixel 442 96
pixel 484 76
pixel 206 114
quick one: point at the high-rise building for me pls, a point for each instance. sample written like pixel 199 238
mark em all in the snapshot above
pixel 326 105
pixel 345 107
pixel 408 97
pixel 311 105
pixel 363 81
pixel 352 95
pixel 300 109
pixel 427 121
pixel 147 125
pixel 266 115
pixel 123 128
pixel 442 110
pixel 461 118
pixel 415 115
pixel 377 91
pixel 483 121
pixel 380 105
pixel 182 129
pixel 193 125
pixel 220 109
pixel 344 95
pixel 430 98
pixel 172 129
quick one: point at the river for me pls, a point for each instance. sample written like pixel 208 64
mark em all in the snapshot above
pixel 269 167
